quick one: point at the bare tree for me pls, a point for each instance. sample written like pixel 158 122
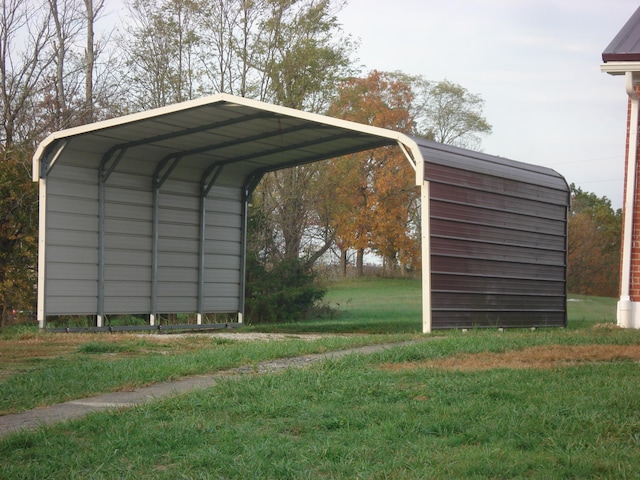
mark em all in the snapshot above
pixel 159 47
pixel 451 114
pixel 25 36
pixel 92 11
pixel 238 41
pixel 304 55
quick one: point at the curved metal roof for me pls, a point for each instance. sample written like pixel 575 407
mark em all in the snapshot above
pixel 230 138
pixel 439 154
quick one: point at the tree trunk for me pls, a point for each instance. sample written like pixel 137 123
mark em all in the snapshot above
pixel 343 263
pixel 360 263
pixel 60 53
pixel 390 265
pixel 90 60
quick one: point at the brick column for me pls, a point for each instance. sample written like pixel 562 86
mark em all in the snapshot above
pixel 631 303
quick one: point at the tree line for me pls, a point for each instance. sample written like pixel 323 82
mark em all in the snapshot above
pixel 594 245
pixel 64 63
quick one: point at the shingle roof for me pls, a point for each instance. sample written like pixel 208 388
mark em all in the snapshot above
pixel 625 47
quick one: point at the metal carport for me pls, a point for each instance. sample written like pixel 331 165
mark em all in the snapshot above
pixel 146 214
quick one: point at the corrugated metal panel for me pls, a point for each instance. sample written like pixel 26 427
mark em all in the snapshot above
pixel 625 46
pixel 498 241
pixel 72 252
pixel 71 304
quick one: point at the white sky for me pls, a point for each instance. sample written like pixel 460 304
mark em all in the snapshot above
pixel 536 63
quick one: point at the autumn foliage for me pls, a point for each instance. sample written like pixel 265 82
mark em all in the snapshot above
pixel 594 245
pixel 373 193
pixel 18 238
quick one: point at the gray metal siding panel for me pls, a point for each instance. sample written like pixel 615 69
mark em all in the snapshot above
pixel 168 260
pixel 127 237
pixel 83 272
pixel 118 289
pixel 71 305
pixel 75 288
pixel 180 289
pixel 128 272
pixel 177 304
pixel 71 237
pixel 71 255
pixel 79 238
pixel 221 289
pixel 222 262
pixel 127 227
pixel 185 230
pixel 222 247
pixel 70 222
pixel 223 250
pixel 178 247
pixel 130 306
pixel 229 304
pixel 128 240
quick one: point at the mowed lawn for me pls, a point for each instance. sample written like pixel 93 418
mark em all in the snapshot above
pixel 551 403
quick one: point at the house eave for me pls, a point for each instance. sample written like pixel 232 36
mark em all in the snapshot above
pixel 620 68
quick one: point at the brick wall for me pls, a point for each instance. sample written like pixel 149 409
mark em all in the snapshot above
pixel 635 245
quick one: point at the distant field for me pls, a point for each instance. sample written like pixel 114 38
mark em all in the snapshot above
pixel 553 403
pixel 367 305
pixel 378 305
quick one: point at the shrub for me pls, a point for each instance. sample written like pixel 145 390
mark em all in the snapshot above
pixel 285 292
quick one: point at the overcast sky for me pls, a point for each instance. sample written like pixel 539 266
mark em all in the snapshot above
pixel 536 63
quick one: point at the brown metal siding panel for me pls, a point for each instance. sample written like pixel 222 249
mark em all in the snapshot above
pixel 488 233
pixel 493 319
pixel 547 206
pixel 489 217
pixel 497 284
pixel 498 241
pixel 498 182
pixel 487 268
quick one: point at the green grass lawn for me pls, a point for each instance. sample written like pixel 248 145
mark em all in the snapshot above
pixel 428 410
pixel 367 305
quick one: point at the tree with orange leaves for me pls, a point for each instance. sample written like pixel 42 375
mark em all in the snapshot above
pixel 373 192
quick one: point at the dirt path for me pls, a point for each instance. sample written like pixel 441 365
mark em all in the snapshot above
pixel 541 357
pixel 116 400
